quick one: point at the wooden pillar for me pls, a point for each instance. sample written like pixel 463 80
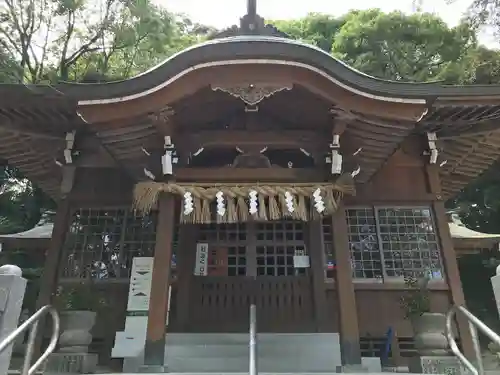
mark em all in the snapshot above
pixel 48 280
pixel 154 351
pixel 349 330
pixel 449 258
pixel 317 254
pixel 186 255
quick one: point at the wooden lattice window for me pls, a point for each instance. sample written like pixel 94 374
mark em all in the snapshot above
pixel 276 245
pixel 363 243
pixel 256 249
pixel 231 239
pixel 393 242
pixel 223 234
pixel 101 243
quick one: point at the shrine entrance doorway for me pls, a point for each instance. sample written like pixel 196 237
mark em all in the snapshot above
pixel 262 263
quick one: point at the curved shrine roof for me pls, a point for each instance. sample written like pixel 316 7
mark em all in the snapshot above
pixel 34 118
pixel 262 48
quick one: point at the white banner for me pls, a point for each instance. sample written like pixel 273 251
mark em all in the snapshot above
pixel 201 262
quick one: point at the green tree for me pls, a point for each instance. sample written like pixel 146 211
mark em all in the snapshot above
pixel 315 28
pixel 21 203
pixel 77 40
pixel 68 39
pixel 417 48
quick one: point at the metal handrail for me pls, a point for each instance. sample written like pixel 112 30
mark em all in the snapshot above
pixel 474 323
pixel 32 325
pixel 252 345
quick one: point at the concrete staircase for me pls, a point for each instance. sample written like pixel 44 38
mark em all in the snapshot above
pixel 229 353
pixel 276 353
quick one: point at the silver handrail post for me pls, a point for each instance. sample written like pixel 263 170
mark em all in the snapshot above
pixel 474 325
pixel 253 340
pixel 32 325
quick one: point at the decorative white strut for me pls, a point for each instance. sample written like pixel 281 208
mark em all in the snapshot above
pixel 336 157
pixel 149 174
pixel 433 151
pixel 168 158
pixel 221 207
pixel 253 202
pixel 188 203
pixel 70 143
pixel 289 201
pixel 355 172
pixel 319 204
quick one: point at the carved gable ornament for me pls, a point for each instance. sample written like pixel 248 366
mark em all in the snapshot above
pixel 252 94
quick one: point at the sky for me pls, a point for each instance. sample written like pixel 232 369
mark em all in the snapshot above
pixel 224 13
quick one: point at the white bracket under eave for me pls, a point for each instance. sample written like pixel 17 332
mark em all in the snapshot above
pixel 433 151
pixel 70 143
pixel 336 157
pixel 169 157
pixel 355 172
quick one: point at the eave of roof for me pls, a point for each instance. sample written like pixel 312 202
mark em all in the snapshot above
pixel 261 48
pixel 462 232
pixel 41 232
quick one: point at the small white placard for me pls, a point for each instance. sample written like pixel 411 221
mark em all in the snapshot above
pixel 140 284
pixel 301 261
pixel 200 265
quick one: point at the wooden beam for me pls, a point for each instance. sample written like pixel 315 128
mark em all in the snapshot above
pixel 48 280
pixel 453 131
pixel 188 235
pixel 250 174
pixel 162 120
pixel 449 259
pixel 231 138
pixel 154 351
pixel 349 328
pixel 37 134
pixel 317 256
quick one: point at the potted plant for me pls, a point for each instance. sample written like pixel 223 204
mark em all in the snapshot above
pixel 78 305
pixel 428 327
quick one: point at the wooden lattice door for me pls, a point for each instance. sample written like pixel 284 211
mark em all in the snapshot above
pixel 252 263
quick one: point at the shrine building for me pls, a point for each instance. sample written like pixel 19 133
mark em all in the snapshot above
pixel 252 169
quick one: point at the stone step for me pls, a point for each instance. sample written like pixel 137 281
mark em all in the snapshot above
pixel 246 373
pixel 315 352
pixel 204 351
pixel 243 338
pixel 228 350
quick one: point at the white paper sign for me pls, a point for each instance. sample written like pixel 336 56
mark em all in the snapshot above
pixel 301 261
pixel 201 262
pixel 140 284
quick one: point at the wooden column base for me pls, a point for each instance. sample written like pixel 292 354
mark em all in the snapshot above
pixel 350 350
pixel 154 353
pixel 154 350
pixel 348 313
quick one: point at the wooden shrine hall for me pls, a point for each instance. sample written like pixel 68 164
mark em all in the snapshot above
pixel 253 168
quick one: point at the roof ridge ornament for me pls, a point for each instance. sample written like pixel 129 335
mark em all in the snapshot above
pixel 250 24
pixel 252 8
pixel 252 94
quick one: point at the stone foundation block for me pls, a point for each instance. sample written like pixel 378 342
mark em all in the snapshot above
pixel 447 365
pixel 72 363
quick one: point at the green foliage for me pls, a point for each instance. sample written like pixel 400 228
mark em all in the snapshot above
pixel 395 46
pixel 416 299
pixel 81 297
pixel 21 203
pixel 316 29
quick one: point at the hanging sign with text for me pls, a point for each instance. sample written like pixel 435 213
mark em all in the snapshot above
pixel 201 262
